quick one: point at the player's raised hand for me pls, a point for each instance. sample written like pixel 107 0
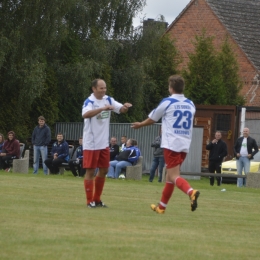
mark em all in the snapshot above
pixel 128 105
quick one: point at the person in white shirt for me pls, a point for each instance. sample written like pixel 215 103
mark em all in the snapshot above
pixel 96 112
pixel 245 148
pixel 177 113
pixel 123 143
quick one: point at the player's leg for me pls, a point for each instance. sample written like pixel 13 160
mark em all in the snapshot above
pixel 103 164
pixel 173 170
pixel 90 164
pixel 173 161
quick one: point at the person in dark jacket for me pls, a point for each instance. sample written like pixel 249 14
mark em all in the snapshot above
pixel 10 151
pixel 76 166
pixel 158 159
pixel 41 137
pixel 218 150
pixel 60 154
pixel 127 157
pixel 245 148
pixel 114 148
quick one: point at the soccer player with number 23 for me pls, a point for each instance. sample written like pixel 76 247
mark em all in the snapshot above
pixel 177 113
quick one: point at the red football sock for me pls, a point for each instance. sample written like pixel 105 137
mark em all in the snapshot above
pixel 166 194
pixel 89 186
pixel 99 184
pixel 183 185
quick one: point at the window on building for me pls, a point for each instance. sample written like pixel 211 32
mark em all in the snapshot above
pixel 222 122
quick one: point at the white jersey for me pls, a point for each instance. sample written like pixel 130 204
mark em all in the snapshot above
pixel 177 113
pixel 96 128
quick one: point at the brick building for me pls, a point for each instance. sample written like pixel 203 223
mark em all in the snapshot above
pixel 240 20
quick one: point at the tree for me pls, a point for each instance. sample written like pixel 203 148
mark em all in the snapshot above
pixel 230 74
pixel 159 58
pixel 204 81
pixel 50 48
pixel 212 77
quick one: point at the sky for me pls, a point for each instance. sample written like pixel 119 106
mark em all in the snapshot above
pixel 170 9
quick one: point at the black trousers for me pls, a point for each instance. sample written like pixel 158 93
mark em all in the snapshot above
pixel 54 164
pixel 77 168
pixel 214 167
pixel 5 161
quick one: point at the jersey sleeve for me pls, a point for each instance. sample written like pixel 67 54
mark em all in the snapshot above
pixel 87 106
pixel 117 106
pixel 158 112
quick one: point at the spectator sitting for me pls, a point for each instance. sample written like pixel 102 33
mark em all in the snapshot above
pixel 10 151
pixel 2 140
pixel 114 148
pixel 60 154
pixel 77 164
pixel 127 157
pixel 123 143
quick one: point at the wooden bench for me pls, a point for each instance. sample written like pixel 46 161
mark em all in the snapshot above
pixel 135 172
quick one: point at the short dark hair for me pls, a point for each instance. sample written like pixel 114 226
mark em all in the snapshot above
pixel 176 82
pixel 94 83
pixel 41 118
pixel 60 134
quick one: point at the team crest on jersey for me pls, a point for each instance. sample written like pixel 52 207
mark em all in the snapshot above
pixel 103 115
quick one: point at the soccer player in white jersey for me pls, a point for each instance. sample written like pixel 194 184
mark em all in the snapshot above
pixel 96 113
pixel 177 113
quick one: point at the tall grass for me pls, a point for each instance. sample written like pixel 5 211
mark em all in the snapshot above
pixel 45 217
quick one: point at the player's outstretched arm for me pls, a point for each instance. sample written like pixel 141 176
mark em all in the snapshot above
pixel 146 122
pixel 125 107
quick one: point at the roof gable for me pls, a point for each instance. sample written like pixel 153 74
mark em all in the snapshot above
pixel 242 20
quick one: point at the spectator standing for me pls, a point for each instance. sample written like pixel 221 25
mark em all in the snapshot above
pixel 158 159
pixel 127 157
pixel 114 148
pixel 245 148
pixel 41 137
pixel 177 113
pixel 76 166
pixel 123 143
pixel 60 154
pixel 96 112
pixel 10 151
pixel 218 150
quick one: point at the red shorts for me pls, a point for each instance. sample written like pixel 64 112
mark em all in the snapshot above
pixel 172 158
pixel 96 158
